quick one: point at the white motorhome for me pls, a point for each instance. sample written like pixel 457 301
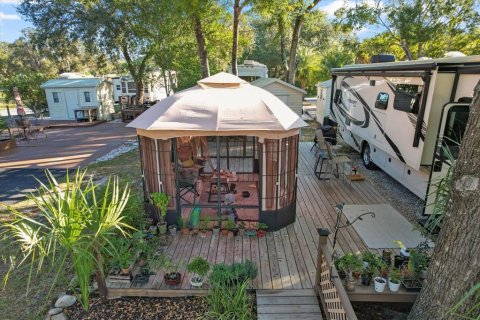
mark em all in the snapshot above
pixel 154 86
pixel 404 116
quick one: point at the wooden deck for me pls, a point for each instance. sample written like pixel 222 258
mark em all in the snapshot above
pixel 285 259
pixel 288 304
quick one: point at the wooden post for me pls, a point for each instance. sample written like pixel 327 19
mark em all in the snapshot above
pixel 323 239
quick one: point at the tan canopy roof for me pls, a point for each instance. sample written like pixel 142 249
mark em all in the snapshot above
pixel 222 104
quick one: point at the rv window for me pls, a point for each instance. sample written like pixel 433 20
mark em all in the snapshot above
pixel 145 89
pixel 338 96
pixel 407 98
pixel 55 97
pixel 87 96
pixel 119 87
pixel 132 87
pixel 124 87
pixel 455 125
pixel 382 101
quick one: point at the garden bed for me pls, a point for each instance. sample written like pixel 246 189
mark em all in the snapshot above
pixel 140 308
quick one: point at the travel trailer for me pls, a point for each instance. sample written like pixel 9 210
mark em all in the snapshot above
pixel 406 117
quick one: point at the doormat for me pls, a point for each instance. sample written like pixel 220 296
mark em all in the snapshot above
pixel 387 226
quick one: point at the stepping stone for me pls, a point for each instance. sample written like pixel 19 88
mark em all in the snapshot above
pixel 65 301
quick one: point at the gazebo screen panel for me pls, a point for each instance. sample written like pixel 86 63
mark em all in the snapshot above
pixel 158 167
pixel 270 174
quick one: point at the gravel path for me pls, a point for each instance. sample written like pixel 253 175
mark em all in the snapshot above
pixel 121 149
pixel 400 197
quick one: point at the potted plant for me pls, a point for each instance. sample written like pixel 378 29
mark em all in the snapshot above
pixel 261 229
pixel 241 229
pixel 173 230
pixel 394 280
pixel 350 263
pixel 202 226
pixel 232 227
pixel 123 256
pixel 160 201
pixel 183 225
pixel 141 247
pixel 171 277
pixel 225 228
pixel 379 284
pixel 368 258
pixel 199 267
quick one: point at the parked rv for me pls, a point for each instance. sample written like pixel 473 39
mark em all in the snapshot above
pixel 155 88
pixel 404 117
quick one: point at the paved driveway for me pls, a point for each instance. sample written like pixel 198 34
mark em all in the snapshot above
pixel 65 148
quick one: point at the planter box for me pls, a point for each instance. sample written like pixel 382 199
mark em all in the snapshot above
pixel 412 285
pixel 7 145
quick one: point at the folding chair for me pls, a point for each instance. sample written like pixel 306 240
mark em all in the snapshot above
pixel 337 161
pixel 321 156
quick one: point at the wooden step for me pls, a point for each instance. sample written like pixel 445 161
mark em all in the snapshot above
pixel 298 304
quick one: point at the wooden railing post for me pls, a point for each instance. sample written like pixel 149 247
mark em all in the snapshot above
pixel 322 241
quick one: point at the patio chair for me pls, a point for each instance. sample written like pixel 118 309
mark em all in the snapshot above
pixel 339 161
pixel 187 183
pixel 321 156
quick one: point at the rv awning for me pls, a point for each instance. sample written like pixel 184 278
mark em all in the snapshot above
pixel 222 104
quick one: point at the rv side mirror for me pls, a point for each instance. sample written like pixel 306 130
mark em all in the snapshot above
pixel 382 101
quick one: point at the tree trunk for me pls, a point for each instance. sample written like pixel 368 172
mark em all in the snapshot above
pixel 237 10
pixel 102 285
pixel 283 45
pixel 292 67
pixel 455 265
pixel 406 49
pixel 297 27
pixel 202 48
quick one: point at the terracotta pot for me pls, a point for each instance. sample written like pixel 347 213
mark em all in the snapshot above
pixel 125 271
pixel 261 233
pixel 185 231
pixel 225 232
pixel 172 279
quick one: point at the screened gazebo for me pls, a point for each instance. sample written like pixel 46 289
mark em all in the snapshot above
pixel 197 143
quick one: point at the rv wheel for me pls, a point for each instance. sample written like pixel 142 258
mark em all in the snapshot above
pixel 367 160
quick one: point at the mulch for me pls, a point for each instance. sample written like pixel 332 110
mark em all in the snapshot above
pixel 140 309
pixel 381 311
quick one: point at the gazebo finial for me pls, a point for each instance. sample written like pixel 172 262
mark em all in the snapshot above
pixel 221 80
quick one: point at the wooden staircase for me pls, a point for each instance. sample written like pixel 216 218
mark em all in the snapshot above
pixel 291 304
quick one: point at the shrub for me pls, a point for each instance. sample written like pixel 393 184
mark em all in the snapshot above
pixel 227 303
pixel 234 274
pixel 199 266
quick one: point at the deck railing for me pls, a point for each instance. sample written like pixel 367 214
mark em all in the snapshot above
pixel 328 284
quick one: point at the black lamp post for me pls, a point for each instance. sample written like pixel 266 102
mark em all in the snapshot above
pixel 339 209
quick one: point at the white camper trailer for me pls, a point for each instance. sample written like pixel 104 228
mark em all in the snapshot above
pixel 405 116
pixel 154 86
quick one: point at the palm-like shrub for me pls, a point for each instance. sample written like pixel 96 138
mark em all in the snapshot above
pixel 74 222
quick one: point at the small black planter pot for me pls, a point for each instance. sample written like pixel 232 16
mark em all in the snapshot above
pixel 235 232
pixel 398 261
pixel 366 279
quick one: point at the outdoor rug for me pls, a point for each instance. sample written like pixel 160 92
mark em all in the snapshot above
pixel 387 226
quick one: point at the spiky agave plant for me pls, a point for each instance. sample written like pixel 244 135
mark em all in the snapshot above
pixel 74 222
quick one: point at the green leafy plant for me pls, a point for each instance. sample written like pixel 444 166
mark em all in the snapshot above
pixel 230 225
pixel 123 253
pixel 395 276
pixel 262 226
pixel 418 261
pixel 233 274
pixel 226 302
pixel 160 200
pixel 349 263
pixel 199 266
pixel 74 222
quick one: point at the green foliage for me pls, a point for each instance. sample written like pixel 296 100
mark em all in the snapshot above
pixel 236 273
pixel 230 225
pixel 199 266
pixel 375 262
pixel 123 254
pixel 73 223
pixel 395 275
pixel 160 200
pixel 262 226
pixel 226 303
pixel 471 314
pixel 417 27
pixel 349 263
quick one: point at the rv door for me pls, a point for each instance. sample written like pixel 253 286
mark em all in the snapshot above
pixel 450 134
